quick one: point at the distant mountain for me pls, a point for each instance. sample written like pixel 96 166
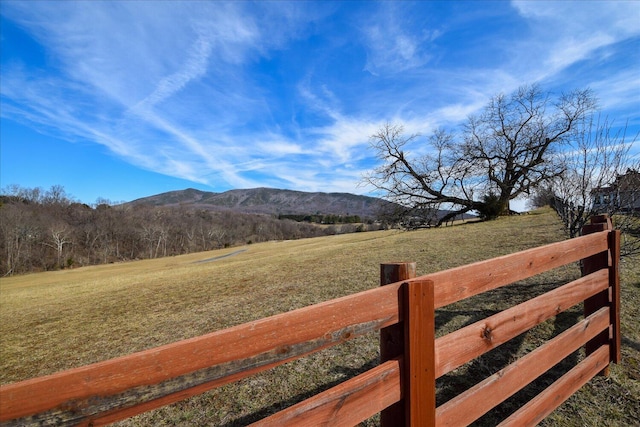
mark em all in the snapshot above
pixel 269 201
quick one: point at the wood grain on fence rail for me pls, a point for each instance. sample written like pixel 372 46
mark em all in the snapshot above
pixel 111 390
pixel 463 282
pixel 128 385
pixel 465 344
pixel 348 403
pixel 478 400
pixel 532 413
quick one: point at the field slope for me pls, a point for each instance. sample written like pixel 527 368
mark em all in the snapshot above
pixel 59 320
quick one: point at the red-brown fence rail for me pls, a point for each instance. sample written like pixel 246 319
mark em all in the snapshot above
pixel 402 386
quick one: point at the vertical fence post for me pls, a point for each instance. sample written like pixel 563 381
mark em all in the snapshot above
pixel 614 284
pixel 392 337
pixel 419 356
pixel 609 297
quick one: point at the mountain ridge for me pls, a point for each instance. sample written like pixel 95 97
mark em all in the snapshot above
pixel 269 201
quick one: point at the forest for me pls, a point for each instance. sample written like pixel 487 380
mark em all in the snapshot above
pixel 48 230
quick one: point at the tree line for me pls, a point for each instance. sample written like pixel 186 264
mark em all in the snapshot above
pixel 48 230
pixel 324 219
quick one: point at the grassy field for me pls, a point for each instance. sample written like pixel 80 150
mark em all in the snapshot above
pixel 59 320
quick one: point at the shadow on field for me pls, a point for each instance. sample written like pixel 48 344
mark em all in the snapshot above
pixel 450 385
pixel 630 343
pixel 465 377
pixel 272 409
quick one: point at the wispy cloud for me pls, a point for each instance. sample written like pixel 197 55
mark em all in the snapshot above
pixel 195 66
pixel 573 31
pixel 392 42
pixel 235 94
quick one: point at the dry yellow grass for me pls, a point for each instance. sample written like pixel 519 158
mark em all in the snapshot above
pixel 58 320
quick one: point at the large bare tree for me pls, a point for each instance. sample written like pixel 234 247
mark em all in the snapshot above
pixel 502 153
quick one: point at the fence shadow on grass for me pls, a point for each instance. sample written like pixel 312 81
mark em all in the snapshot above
pixel 343 371
pixel 626 342
pixel 461 379
pixel 452 384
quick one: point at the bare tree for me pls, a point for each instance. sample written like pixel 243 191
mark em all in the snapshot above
pixel 18 234
pixel 43 230
pixel 501 154
pixel 56 195
pixel 217 234
pixel 595 165
pixel 60 237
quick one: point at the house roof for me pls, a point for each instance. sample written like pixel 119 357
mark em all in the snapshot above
pixel 629 181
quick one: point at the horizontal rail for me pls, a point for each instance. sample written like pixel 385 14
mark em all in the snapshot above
pixel 532 413
pixel 465 344
pixel 348 403
pixel 152 378
pixel 119 388
pixel 466 281
pixel 478 400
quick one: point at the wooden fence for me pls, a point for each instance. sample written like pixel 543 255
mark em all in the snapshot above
pixel 402 386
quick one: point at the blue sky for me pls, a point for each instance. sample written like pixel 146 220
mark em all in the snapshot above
pixel 124 99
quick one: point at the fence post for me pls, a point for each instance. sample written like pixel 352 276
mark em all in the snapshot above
pixel 419 356
pixel 614 284
pixel 609 297
pixel 392 337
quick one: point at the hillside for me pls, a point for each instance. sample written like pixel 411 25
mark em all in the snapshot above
pixel 269 201
pixel 59 320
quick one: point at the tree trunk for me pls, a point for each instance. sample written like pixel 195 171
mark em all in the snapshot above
pixel 504 209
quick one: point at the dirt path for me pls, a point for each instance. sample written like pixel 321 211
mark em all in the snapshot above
pixel 216 258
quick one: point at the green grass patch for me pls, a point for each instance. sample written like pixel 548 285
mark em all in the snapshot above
pixel 60 320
